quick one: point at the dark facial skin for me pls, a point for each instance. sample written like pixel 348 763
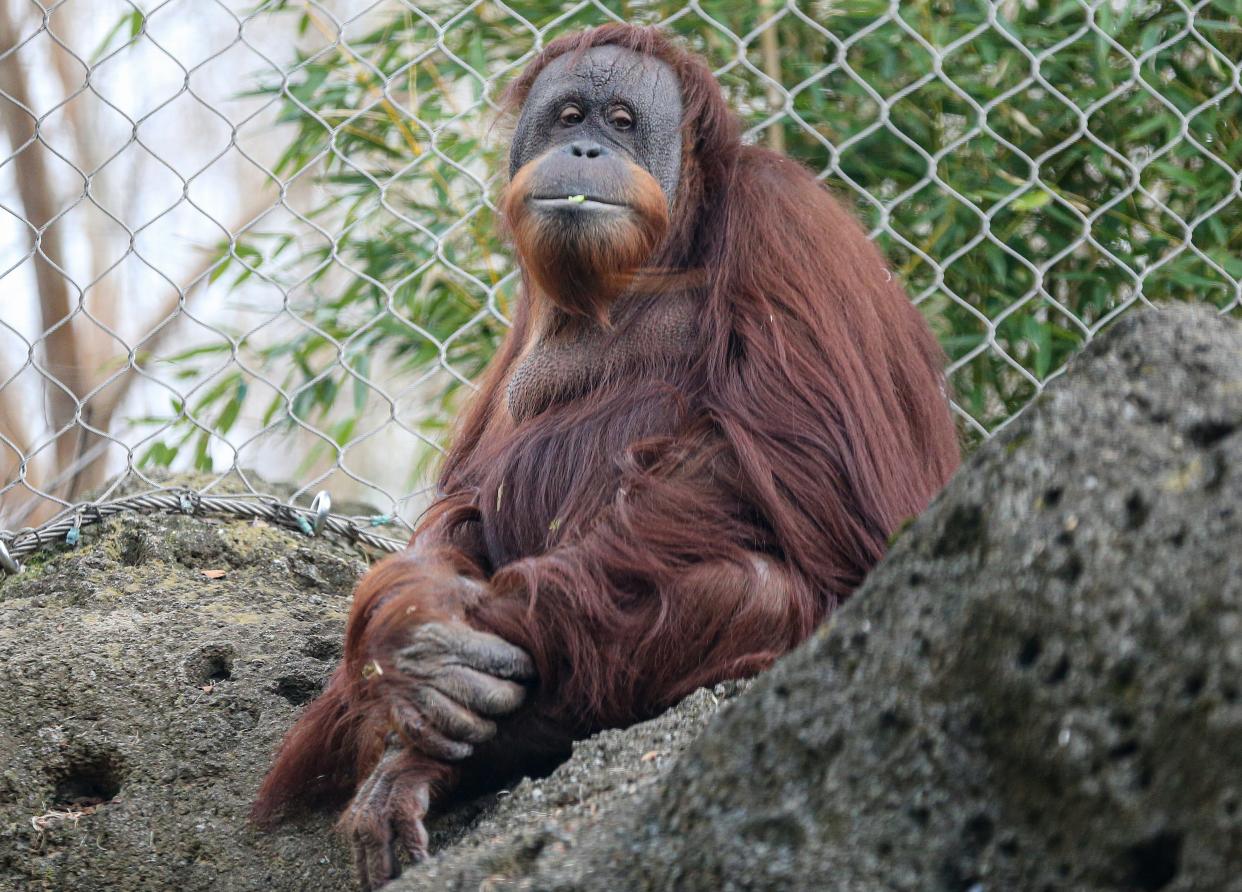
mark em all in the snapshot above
pixel 594 166
pixel 607 106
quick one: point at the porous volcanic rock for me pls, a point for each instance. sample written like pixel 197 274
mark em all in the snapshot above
pixel 147 676
pixel 1039 689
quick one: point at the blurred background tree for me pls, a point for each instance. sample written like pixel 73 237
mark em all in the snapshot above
pixel 1032 169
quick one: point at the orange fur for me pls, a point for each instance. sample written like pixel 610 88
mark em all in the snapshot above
pixel 585 277
pixel 689 516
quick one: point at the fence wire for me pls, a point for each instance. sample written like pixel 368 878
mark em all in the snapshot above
pixel 255 244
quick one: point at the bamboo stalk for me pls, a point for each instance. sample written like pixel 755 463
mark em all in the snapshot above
pixel 770 48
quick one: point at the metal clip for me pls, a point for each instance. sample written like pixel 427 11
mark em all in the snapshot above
pixel 189 501
pixel 74 534
pixel 7 562
pixel 321 505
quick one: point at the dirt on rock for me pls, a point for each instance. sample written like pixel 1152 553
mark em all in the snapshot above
pixel 1039 689
pixel 147 676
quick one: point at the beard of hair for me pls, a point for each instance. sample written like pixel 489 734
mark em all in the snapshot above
pixel 583 266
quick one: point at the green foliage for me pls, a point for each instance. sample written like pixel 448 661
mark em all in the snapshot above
pixel 1032 169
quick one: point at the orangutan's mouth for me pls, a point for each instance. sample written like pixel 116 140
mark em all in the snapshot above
pixel 576 202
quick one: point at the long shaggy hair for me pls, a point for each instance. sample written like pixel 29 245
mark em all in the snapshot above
pixel 803 424
pixel 816 388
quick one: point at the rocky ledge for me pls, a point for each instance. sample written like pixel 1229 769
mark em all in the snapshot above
pixel 1040 688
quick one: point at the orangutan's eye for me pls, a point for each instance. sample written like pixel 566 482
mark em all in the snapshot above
pixel 571 115
pixel 619 117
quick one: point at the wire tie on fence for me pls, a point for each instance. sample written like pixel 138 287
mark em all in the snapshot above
pixel 74 536
pixel 7 562
pixel 321 505
pixel 286 515
pixel 378 520
pixel 189 501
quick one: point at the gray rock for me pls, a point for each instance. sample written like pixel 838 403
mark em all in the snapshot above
pixel 140 702
pixel 1040 688
pixel 484 841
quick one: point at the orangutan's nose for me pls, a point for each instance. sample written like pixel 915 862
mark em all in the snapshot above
pixel 581 148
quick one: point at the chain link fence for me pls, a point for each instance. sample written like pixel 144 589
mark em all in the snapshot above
pixel 247 251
